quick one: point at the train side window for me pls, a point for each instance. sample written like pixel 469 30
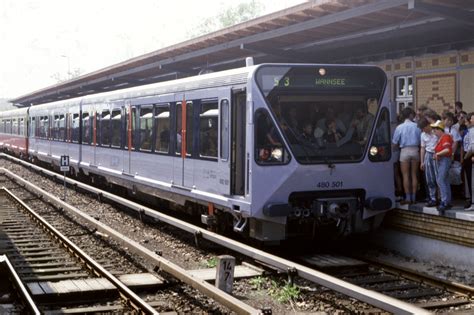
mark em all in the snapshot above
pixel 131 132
pixel 55 127
pixel 38 127
pixel 178 128
pixel 105 128
pixel 380 149
pixel 32 126
pixel 86 128
pixel 46 131
pixel 208 129
pixel 62 128
pixel 116 125
pixel 189 128
pixel 75 128
pixel 14 126
pixel 224 127
pixel 269 148
pixel 146 128
pixel 162 129
pixel 22 127
pixel 8 126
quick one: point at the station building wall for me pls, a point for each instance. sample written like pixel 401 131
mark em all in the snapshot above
pixel 435 80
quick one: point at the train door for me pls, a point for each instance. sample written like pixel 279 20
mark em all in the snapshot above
pixel 238 123
pixel 129 111
pixel 202 140
pixel 183 139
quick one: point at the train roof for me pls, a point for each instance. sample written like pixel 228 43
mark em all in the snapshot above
pixel 221 78
pixel 237 76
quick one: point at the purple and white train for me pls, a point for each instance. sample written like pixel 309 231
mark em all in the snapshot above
pixel 272 151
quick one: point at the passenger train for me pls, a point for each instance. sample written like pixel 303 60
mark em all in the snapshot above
pixel 272 151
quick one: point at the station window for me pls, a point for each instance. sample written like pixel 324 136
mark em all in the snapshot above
pixel 86 128
pixel 146 128
pixel 269 149
pixel 105 128
pixel 208 130
pixel 162 128
pixel 116 127
pixel 75 128
pixel 404 95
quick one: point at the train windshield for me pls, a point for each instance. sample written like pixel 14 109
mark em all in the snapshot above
pixel 326 113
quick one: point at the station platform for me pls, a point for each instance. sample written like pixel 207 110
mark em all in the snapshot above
pixel 456 212
pixel 419 231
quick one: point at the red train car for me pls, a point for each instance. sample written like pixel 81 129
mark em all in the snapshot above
pixel 13 131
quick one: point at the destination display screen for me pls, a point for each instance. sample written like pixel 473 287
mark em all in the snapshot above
pixel 319 77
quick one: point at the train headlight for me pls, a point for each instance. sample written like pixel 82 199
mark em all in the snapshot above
pixel 373 151
pixel 277 154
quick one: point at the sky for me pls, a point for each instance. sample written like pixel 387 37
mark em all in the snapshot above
pixel 43 39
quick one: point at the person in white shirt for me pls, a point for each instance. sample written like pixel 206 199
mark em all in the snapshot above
pixel 468 146
pixel 428 165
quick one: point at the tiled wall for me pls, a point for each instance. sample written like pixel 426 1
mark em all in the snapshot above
pixel 440 79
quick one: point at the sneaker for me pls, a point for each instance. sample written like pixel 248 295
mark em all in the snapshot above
pixel 431 203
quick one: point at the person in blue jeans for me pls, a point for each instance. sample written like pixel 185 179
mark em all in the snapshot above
pixel 443 157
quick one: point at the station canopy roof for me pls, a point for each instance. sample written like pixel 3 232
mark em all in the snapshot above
pixel 317 31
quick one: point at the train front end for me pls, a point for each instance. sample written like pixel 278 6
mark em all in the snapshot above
pixel 322 163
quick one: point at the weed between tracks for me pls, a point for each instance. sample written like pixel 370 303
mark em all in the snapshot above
pixel 281 291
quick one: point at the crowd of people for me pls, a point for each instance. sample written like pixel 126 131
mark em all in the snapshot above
pixel 441 147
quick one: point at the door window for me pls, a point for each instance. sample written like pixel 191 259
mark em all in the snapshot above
pixel 208 130
pixel 162 128
pixel 146 128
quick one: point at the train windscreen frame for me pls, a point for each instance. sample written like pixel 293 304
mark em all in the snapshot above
pixel 325 112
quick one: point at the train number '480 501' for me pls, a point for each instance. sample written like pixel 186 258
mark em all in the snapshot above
pixel 334 184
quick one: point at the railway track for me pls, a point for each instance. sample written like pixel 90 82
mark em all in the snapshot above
pixel 14 297
pixel 56 271
pixel 420 289
pixel 373 298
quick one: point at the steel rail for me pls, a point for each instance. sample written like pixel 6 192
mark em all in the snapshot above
pixel 371 297
pixel 20 287
pixel 163 264
pixel 414 275
pixel 134 300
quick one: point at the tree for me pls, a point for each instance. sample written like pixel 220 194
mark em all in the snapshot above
pixel 227 17
pixel 76 72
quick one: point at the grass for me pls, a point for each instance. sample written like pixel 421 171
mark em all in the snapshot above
pixel 212 262
pixel 284 293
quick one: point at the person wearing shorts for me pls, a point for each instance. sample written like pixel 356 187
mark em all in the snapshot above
pixel 407 138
